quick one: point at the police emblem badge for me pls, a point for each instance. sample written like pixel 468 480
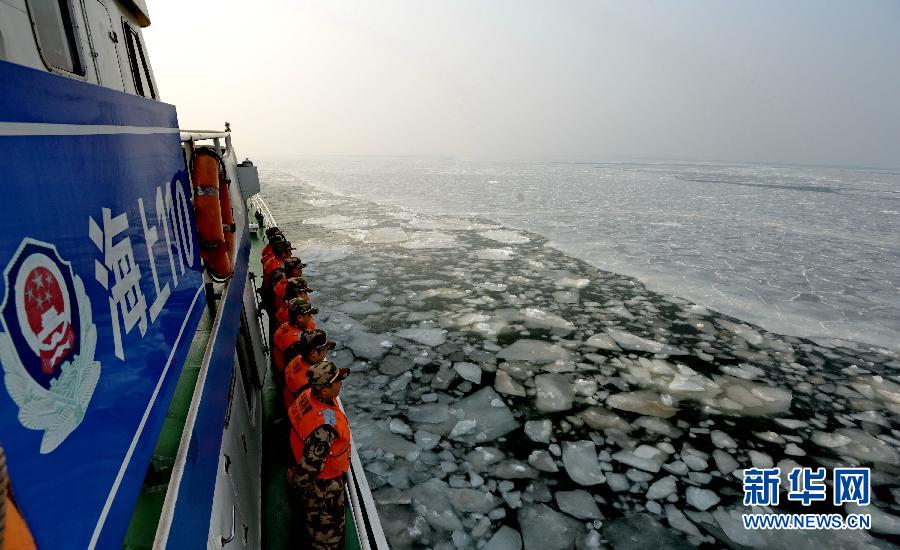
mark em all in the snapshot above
pixel 48 342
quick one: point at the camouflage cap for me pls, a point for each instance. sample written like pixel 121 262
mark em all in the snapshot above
pixel 277 238
pixel 299 306
pixel 324 374
pixel 317 338
pixel 295 285
pixel 272 231
pixel 294 263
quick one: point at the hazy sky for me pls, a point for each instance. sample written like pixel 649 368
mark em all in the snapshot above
pixel 814 82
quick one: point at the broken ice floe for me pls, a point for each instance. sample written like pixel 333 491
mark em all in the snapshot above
pixel 573 375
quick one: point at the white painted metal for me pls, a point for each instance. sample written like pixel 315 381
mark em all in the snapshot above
pixel 103 41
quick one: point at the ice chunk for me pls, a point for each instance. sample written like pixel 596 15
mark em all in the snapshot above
pixel 463 427
pixel 755 399
pixel 505 236
pixel 472 501
pixel 535 351
pixel 504 383
pixel 617 482
pixel 443 378
pixel 642 402
pixel 379 235
pixel 468 371
pixel 496 254
pixel 565 296
pixel 492 421
pixel 568 280
pixel 403 527
pixel 582 464
pixel 539 431
pixel 662 488
pixel 430 500
pixel 635 343
pixel 657 425
pixel 882 522
pixel 725 463
pixel 645 458
pixel 866 447
pixel 426 336
pixel 701 499
pixel 368 434
pixel 543 461
pixel 829 440
pixel 722 440
pixel 482 458
pixel 426 440
pixel 360 308
pixel 506 538
pixel 513 469
pixel 678 521
pixel 602 341
pixel 398 426
pixel 578 503
pixel 539 319
pixel 598 418
pixel 429 413
pixel 546 529
pixel 634 531
pixel 760 460
pixel 554 393
pixel 394 365
pixel 366 345
pixel 429 239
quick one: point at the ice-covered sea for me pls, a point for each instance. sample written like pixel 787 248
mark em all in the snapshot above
pixel 583 355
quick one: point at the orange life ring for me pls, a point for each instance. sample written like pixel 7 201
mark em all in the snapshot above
pixel 205 176
pixel 228 227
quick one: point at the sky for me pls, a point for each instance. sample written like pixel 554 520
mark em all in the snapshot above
pixel 799 82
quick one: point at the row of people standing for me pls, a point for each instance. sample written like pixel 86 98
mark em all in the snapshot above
pixel 309 385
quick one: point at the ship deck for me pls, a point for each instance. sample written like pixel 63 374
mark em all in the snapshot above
pixel 282 517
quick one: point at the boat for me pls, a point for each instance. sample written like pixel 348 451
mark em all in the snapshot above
pixel 137 406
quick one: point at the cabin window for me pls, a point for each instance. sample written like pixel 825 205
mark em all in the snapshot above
pixel 54 26
pixel 140 70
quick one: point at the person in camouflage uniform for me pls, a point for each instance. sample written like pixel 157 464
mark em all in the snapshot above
pixel 320 440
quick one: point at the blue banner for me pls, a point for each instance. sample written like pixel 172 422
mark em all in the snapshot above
pixel 101 295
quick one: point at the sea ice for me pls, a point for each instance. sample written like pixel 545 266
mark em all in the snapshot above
pixel 635 343
pixel 546 529
pixel 725 463
pixel 360 308
pixel 638 530
pixel 582 464
pixel 366 345
pixel 642 402
pixel 535 351
pixel 578 503
pixel 539 431
pixel 722 440
pixel 492 421
pixel 543 461
pixel 554 393
pixel 661 488
pixel 497 254
pixel 504 383
pixel 506 538
pixel 426 440
pixel 426 336
pixel 430 500
pixel 598 418
pixel 602 341
pixel 467 501
pixel 505 236
pixel 678 521
pixel 468 371
pixel 644 457
pixel 538 319
pixel 513 469
pixel 394 365
pixel 429 239
pixel 701 499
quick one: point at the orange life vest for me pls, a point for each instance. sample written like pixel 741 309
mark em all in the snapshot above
pixel 295 379
pixel 308 413
pixel 266 253
pixel 286 335
pixel 278 291
pixel 271 265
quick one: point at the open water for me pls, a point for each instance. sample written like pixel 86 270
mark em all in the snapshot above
pixel 590 354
